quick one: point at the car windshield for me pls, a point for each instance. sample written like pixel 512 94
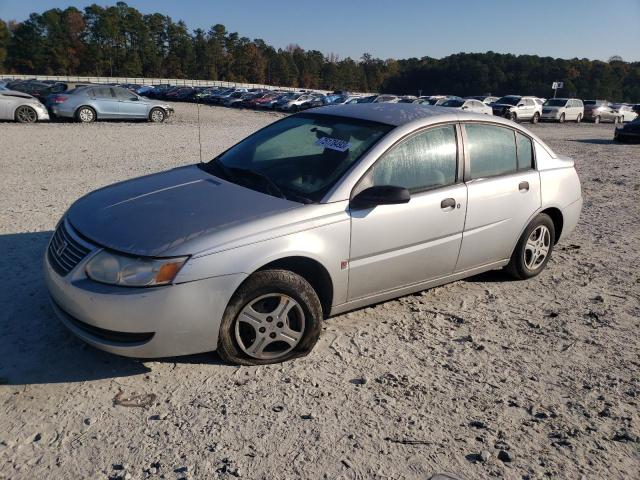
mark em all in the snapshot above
pixel 300 157
pixel 589 102
pixel 509 100
pixel 452 103
pixel 555 102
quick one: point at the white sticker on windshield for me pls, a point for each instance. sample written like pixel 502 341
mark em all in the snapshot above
pixel 333 144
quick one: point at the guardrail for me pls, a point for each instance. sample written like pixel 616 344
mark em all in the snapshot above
pixel 150 81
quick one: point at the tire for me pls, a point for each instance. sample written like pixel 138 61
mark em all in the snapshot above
pixel 261 296
pixel 86 115
pixel 511 116
pixel 579 118
pixel 562 117
pixel 157 115
pixel 25 114
pixel 537 239
pixel 536 118
pixel 616 120
pixel 596 119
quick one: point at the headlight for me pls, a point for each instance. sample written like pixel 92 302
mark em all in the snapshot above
pixel 107 267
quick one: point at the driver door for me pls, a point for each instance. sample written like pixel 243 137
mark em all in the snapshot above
pixel 130 105
pixel 398 245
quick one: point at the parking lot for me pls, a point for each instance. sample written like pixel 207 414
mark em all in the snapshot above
pixel 544 370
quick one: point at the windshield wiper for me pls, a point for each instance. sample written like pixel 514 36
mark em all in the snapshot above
pixel 270 184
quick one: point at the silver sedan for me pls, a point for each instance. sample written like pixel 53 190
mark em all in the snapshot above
pixel 21 107
pixel 104 102
pixel 317 214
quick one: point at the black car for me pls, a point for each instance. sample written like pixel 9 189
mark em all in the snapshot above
pixel 630 132
pixel 40 90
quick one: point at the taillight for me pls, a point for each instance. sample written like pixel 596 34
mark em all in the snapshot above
pixel 60 98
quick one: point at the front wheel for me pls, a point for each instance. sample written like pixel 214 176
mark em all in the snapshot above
pixel 535 118
pixel 26 114
pixel 533 251
pixel 274 316
pixel 511 116
pixel 616 120
pixel 157 115
pixel 596 120
pixel 562 117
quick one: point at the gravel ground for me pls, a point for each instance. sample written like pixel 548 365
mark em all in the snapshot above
pixel 480 378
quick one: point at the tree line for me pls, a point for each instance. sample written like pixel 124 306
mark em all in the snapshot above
pixel 121 41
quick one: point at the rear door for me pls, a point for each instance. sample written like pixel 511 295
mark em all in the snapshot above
pixel 398 245
pixel 528 109
pixel 130 105
pixel 503 192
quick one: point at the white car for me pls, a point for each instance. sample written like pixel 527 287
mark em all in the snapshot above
pixel 517 108
pixel 563 109
pixel 21 107
pixel 625 111
pixel 469 105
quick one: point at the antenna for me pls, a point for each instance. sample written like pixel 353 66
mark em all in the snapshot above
pixel 199 135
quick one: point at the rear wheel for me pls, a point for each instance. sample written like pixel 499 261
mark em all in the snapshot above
pixel 535 118
pixel 597 119
pixel 26 114
pixel 273 317
pixel 86 115
pixel 579 118
pixel 533 251
pixel 157 115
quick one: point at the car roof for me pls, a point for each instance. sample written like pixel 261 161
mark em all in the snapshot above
pixel 395 114
pixel 415 116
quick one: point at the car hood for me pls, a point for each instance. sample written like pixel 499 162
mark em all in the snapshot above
pixel 166 213
pixel 501 105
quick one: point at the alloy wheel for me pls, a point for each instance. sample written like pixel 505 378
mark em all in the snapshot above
pixel 86 115
pixel 26 114
pixel 157 116
pixel 537 247
pixel 270 326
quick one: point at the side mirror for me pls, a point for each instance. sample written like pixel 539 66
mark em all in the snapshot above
pixel 380 195
pixel 521 104
pixel 465 107
pixel 134 99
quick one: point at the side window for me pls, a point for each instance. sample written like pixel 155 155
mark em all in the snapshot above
pixel 529 103
pixel 492 150
pixel 123 94
pixel 525 152
pixel 101 92
pixel 425 160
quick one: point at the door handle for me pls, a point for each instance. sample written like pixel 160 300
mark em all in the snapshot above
pixel 523 187
pixel 448 204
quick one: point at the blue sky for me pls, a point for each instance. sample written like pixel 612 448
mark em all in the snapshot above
pixel 595 29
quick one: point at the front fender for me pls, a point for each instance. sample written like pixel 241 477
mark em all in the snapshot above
pixel 327 244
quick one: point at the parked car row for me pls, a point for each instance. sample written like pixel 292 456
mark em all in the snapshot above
pixel 89 102
pixel 32 101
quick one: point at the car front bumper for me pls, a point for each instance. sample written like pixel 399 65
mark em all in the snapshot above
pixel 151 322
pixel 550 116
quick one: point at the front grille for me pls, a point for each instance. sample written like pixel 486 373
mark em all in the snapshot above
pixel 64 251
